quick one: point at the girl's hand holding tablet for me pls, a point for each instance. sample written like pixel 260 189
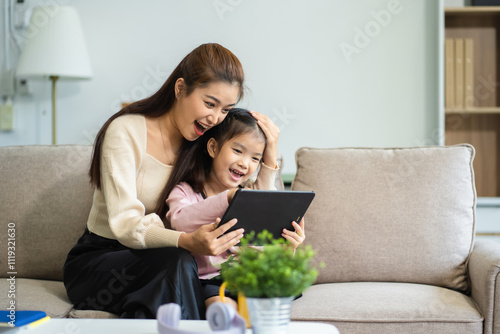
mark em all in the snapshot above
pixel 296 238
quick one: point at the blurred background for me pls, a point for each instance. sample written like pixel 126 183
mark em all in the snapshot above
pixel 330 73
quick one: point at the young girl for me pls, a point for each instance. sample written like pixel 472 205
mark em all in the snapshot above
pixel 203 184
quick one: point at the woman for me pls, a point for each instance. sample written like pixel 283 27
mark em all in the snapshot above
pixel 127 262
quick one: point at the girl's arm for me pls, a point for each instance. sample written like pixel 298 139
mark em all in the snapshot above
pixel 188 210
pixel 199 218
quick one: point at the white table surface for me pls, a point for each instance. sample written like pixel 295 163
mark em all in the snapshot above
pixel 136 326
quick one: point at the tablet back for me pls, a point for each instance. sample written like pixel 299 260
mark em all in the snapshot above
pixel 272 210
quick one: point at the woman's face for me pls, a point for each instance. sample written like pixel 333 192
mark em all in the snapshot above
pixel 204 108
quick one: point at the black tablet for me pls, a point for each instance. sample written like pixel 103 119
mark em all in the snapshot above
pixel 272 210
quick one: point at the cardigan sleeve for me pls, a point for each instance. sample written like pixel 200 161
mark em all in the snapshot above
pixel 188 210
pixel 264 181
pixel 121 156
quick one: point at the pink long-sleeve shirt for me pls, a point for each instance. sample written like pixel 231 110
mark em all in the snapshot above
pixel 188 211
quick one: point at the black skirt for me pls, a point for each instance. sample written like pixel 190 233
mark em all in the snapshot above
pixel 102 274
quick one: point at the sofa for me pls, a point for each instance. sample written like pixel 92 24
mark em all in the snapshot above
pixel 394 228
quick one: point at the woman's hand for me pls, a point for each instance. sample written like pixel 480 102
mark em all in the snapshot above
pixel 205 240
pixel 272 133
pixel 296 238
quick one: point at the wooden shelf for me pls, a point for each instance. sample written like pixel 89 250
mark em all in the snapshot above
pixel 474 110
pixel 479 124
pixel 473 10
pixel 488 234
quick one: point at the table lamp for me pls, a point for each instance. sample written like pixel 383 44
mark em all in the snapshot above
pixel 55 49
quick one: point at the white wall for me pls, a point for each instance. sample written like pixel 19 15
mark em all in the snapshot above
pixel 297 73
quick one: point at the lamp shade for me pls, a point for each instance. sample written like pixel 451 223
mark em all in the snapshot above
pixel 54 46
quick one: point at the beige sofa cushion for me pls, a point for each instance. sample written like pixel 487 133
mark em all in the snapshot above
pixel 47 197
pixel 389 308
pixel 35 294
pixel 395 215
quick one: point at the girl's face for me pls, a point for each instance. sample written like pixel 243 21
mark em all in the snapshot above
pixel 235 161
pixel 204 108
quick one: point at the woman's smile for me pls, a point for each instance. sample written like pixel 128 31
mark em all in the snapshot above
pixel 200 128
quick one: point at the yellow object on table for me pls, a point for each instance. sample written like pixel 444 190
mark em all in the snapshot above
pixel 242 303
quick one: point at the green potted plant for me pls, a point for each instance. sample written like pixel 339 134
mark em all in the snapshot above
pixel 270 273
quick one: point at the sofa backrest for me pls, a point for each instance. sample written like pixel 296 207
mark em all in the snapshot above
pixel 45 199
pixel 402 214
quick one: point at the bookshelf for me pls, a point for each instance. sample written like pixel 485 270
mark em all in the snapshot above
pixel 472 94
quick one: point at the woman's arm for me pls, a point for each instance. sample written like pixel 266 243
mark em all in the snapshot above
pixel 122 152
pixel 269 165
pixel 272 133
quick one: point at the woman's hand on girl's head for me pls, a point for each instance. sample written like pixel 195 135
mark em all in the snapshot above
pixel 297 237
pixel 205 240
pixel 272 133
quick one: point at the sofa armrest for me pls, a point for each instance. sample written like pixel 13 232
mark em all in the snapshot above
pixel 484 269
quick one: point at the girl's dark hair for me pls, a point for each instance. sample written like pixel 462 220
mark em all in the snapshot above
pixel 206 64
pixel 193 163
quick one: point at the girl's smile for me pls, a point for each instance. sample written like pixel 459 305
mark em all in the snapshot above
pixel 236 174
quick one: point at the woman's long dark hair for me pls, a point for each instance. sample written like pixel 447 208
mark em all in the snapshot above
pixel 206 64
pixel 193 163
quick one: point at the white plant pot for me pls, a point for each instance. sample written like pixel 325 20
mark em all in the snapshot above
pixel 269 315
